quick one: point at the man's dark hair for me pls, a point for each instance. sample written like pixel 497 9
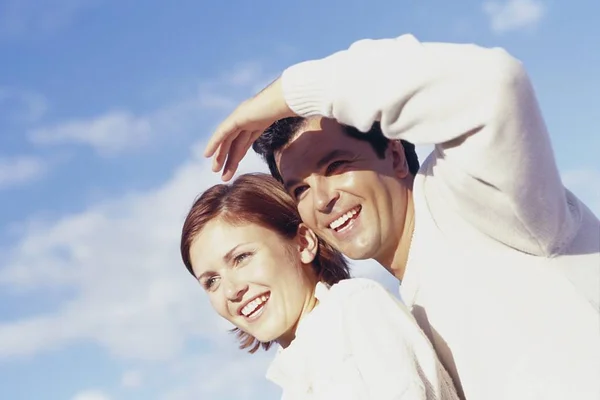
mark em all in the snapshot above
pixel 283 131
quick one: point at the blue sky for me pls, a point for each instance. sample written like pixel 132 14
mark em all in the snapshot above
pixel 104 108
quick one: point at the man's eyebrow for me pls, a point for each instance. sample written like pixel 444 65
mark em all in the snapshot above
pixel 329 157
pixel 326 159
pixel 290 184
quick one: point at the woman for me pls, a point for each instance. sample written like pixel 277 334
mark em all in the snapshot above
pixel 271 277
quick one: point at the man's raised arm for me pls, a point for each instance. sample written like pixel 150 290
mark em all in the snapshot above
pixel 475 104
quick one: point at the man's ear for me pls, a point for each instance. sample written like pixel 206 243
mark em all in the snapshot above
pixel 308 244
pixel 396 152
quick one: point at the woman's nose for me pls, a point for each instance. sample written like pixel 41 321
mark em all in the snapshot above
pixel 235 291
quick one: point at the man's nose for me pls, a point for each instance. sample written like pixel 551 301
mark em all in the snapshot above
pixel 325 195
pixel 235 290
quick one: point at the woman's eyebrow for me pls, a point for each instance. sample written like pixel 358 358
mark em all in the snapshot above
pixel 227 258
pixel 229 255
pixel 204 274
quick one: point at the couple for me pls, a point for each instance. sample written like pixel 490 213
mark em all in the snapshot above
pixel 499 264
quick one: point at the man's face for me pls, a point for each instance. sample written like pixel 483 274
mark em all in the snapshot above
pixel 349 196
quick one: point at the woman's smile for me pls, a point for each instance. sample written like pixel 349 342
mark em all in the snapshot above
pixel 255 307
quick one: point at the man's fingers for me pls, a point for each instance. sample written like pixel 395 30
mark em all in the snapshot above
pixel 213 144
pixel 226 177
pixel 237 151
pixel 215 167
pixel 222 152
pixel 226 129
pixel 255 135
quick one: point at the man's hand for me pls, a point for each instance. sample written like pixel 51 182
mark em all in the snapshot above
pixel 242 127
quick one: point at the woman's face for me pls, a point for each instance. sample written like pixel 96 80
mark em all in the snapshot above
pixel 255 278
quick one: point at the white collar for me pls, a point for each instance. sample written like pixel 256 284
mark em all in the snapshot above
pixel 290 363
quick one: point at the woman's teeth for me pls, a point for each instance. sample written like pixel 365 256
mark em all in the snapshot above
pixel 254 305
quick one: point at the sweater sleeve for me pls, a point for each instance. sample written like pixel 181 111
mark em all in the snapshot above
pixel 493 162
pixel 393 356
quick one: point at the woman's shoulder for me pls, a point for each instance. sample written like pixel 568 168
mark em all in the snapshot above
pixel 356 299
pixel 353 287
pixel 356 285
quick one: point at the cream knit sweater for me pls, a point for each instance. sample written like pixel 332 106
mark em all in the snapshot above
pixel 504 266
pixel 359 343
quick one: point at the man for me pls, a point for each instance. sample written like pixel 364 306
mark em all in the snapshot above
pixel 499 263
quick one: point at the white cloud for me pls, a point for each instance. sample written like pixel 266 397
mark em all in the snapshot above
pixel 245 74
pixel 244 78
pixel 224 374
pixel 120 258
pixel 20 170
pixel 511 15
pixel 91 395
pixel 212 100
pixel 132 379
pixel 134 296
pixel 109 133
pixel 26 17
pixel 118 131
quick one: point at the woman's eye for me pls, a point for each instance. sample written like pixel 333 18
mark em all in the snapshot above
pixel 242 257
pixel 210 282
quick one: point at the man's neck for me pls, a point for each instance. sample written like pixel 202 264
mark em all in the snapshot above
pixel 396 257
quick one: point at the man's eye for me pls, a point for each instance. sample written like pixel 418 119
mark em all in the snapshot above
pixel 334 166
pixel 299 190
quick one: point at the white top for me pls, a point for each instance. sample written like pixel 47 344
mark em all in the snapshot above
pixel 359 343
pixel 504 267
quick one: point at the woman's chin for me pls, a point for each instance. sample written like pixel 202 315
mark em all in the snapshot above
pixel 266 337
pixel 272 336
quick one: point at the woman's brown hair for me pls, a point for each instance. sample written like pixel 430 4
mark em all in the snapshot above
pixel 257 199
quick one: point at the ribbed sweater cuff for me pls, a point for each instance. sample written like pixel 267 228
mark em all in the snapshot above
pixel 307 88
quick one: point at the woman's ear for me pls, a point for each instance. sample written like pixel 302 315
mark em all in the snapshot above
pixel 308 244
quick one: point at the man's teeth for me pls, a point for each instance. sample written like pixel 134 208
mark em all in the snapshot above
pixel 254 304
pixel 343 219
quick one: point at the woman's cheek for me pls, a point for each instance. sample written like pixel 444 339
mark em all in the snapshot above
pixel 219 303
pixel 260 271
